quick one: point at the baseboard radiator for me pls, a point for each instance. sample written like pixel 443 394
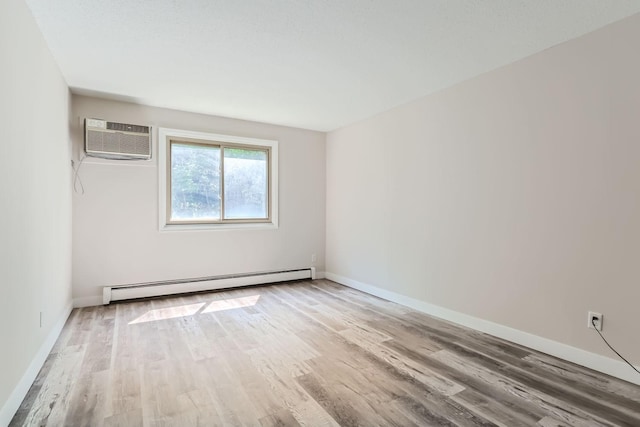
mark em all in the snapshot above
pixel 154 289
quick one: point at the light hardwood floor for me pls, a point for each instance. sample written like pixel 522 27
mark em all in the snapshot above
pixel 305 353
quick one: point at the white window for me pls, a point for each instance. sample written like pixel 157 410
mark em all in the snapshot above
pixel 216 181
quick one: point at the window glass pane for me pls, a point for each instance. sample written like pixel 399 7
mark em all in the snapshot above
pixel 195 182
pixel 245 183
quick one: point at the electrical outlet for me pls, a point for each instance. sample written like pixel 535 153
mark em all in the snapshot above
pixel 595 318
pixel 314 258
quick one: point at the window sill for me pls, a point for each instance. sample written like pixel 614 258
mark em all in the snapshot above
pixel 218 227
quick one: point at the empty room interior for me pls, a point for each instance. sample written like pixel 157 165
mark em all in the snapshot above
pixel 320 213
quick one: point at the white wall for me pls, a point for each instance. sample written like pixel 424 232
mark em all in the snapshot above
pixel 115 228
pixel 513 197
pixel 35 203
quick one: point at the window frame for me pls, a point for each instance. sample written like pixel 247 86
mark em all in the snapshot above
pixel 167 137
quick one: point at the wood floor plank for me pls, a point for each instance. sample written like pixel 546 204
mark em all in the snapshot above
pixel 499 412
pixel 123 391
pixel 494 396
pixel 53 401
pixel 305 353
pixel 384 378
pixel 570 387
pixel 550 404
pixel 280 419
pixel 582 401
pixel 422 374
pixel 611 386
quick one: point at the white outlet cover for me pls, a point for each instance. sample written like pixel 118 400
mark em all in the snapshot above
pixel 599 323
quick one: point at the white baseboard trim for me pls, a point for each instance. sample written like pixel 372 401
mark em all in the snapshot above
pixel 320 275
pixel 87 301
pixel 20 391
pixel 585 358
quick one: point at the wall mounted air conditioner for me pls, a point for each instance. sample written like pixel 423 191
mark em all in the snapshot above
pixel 116 140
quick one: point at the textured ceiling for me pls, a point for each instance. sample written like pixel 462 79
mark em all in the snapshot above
pixel 316 64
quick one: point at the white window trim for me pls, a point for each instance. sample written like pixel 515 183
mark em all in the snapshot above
pixel 164 134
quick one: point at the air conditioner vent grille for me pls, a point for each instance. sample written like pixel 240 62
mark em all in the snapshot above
pixel 127 128
pixel 117 143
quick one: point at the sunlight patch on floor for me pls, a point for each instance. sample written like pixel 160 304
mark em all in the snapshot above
pixel 169 313
pixel 193 309
pixel 231 303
